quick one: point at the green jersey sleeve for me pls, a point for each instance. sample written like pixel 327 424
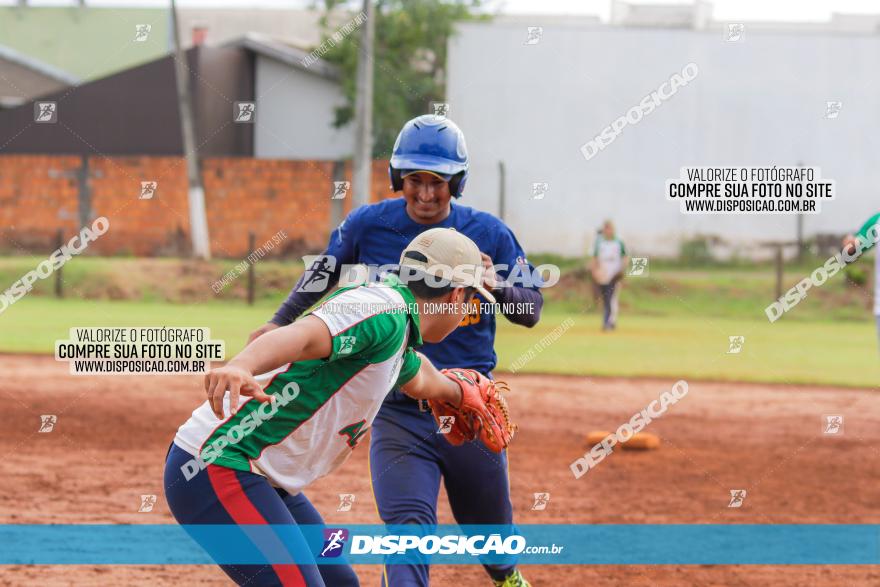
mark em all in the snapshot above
pixel 412 362
pixel 862 234
pixel 363 325
pixel 375 339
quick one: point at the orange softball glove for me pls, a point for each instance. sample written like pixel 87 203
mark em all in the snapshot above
pixel 483 412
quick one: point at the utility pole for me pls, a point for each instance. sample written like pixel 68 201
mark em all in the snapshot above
pixel 363 148
pixel 502 190
pixel 800 226
pixel 198 219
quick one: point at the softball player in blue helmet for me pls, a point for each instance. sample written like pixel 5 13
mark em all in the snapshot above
pixel 434 145
pixel 408 457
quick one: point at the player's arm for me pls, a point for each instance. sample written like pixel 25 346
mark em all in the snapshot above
pixel 307 339
pixel 429 384
pixel 594 260
pixel 520 304
pixel 342 248
pixel 849 241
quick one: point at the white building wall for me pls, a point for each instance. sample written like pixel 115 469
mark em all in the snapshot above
pixel 295 113
pixel 758 102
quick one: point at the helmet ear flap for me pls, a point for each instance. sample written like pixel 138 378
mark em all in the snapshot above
pixel 456 183
pixel 396 179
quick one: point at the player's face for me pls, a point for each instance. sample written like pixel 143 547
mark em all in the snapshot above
pixel 427 197
pixel 447 321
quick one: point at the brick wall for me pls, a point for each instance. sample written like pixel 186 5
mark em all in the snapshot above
pixel 41 194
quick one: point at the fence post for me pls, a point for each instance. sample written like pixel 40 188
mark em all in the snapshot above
pixel 778 271
pixel 59 287
pixel 502 191
pixel 337 207
pixel 252 280
pixel 84 192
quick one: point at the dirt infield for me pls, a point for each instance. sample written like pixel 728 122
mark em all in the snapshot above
pixel 108 446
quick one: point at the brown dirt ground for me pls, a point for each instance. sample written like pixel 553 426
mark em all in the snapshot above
pixel 112 433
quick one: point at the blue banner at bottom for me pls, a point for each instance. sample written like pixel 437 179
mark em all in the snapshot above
pixel 615 544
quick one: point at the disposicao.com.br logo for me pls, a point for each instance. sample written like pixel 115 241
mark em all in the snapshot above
pixel 444 544
pixel 476 545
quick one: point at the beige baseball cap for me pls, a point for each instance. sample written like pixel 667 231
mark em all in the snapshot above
pixel 449 255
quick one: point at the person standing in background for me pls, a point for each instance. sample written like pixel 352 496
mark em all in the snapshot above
pixel 606 266
pixel 851 244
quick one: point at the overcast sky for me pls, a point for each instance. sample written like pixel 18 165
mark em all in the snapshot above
pixel 740 10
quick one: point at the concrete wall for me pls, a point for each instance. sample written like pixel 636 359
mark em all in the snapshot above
pixel 760 102
pixel 295 114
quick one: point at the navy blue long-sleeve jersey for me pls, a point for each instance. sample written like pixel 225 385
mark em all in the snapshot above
pixel 376 235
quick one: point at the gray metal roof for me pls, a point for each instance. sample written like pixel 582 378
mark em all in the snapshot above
pixel 286 52
pixel 10 54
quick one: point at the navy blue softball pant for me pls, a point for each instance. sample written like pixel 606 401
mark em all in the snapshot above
pixel 408 458
pixel 220 495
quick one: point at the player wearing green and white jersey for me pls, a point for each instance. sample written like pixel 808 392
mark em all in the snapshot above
pixel 327 402
pixel 867 241
pixel 245 460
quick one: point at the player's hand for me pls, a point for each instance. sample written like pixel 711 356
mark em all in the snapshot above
pixel 850 244
pixel 261 331
pixel 235 380
pixel 490 279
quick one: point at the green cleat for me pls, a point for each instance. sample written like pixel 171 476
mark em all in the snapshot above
pixel 514 579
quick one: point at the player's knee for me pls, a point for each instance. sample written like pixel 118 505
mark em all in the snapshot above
pixel 412 509
pixel 423 518
pixel 421 515
pixel 342 575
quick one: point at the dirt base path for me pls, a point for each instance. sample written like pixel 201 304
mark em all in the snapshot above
pixel 108 446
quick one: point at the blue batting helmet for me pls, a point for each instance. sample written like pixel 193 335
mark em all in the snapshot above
pixel 430 143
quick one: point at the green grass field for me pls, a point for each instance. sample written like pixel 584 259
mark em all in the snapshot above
pixel 733 291
pixel 685 345
pixel 675 322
